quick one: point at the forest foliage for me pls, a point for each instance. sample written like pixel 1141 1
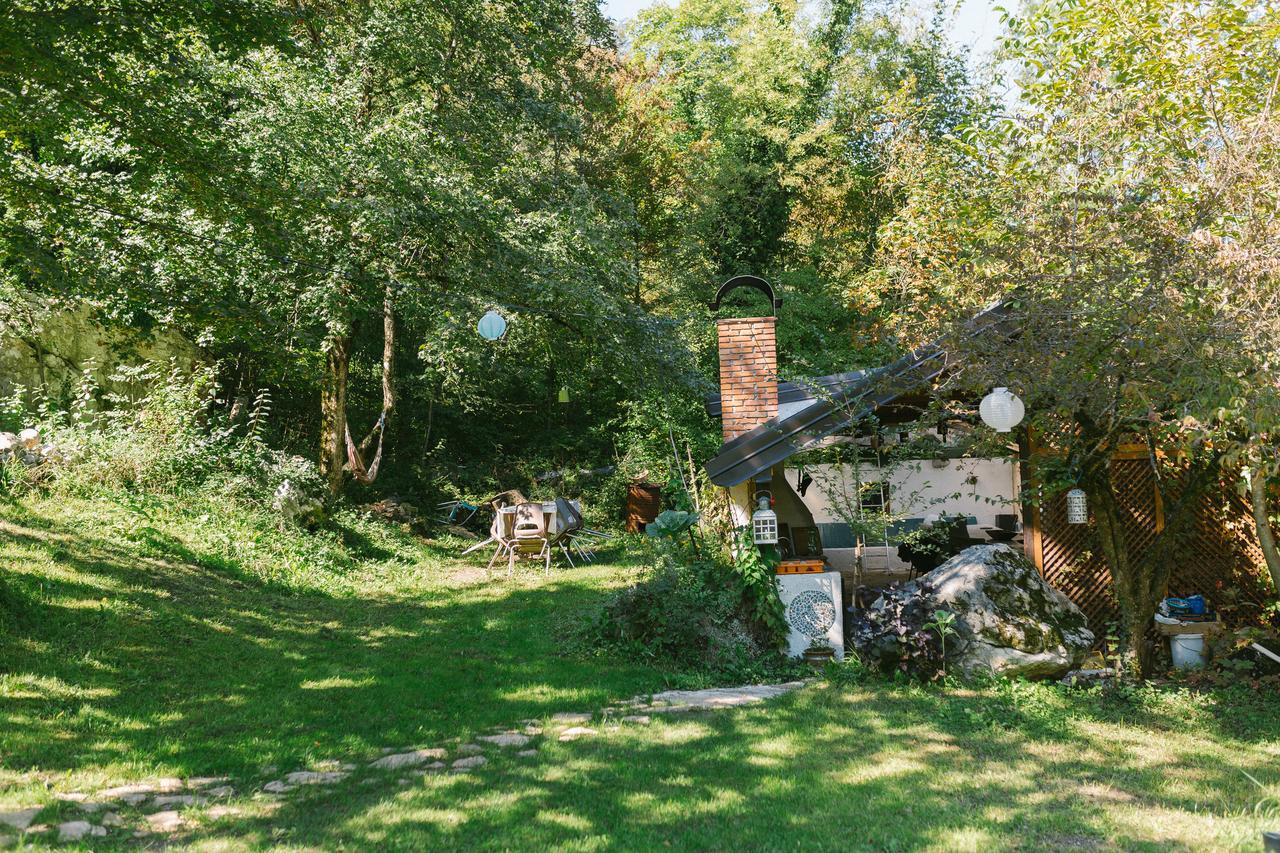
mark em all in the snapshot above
pixel 322 198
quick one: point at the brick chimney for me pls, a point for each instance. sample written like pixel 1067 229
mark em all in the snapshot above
pixel 748 373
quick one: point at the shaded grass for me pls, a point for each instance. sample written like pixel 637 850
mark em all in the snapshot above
pixel 131 648
pixel 144 638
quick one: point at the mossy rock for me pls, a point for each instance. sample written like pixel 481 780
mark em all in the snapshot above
pixel 1009 620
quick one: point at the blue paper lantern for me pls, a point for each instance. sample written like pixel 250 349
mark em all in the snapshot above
pixel 492 326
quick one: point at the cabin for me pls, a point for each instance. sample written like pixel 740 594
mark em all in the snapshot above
pixel 767 423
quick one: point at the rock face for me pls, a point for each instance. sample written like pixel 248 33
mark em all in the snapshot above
pixel 1008 620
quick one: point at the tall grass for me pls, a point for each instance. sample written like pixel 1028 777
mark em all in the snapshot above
pixel 160 430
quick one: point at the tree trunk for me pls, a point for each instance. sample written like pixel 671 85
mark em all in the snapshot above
pixel 1266 536
pixel 333 410
pixel 388 365
pixel 1127 577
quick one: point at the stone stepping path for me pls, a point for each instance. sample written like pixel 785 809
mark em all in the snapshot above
pixel 156 808
pixel 716 698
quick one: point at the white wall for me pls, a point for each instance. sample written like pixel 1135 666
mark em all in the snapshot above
pixel 981 488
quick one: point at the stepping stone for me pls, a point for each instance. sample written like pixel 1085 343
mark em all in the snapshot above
pixel 90 806
pixel 532 730
pixel 133 799
pixel 206 781
pixel 164 821
pixel 505 739
pixel 221 792
pixel 570 717
pixel 468 763
pixel 222 811
pixel 527 753
pixel 408 759
pixel 71 798
pixel 313 777
pixel 435 767
pixel 74 830
pixel 638 719
pixel 124 791
pixel 470 749
pixel 21 818
pixel 675 701
pixel 177 800
pixel 112 819
pixel 576 732
pixel 277 787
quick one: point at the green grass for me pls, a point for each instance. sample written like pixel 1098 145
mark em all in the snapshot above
pixel 141 639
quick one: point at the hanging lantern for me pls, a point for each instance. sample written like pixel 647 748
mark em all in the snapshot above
pixel 564 394
pixel 764 523
pixel 1001 410
pixel 1077 507
pixel 492 326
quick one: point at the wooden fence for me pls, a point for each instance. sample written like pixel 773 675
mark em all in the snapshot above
pixel 1220 560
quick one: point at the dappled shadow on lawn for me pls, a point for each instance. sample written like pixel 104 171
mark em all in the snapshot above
pixel 822 769
pixel 192 666
pixel 119 665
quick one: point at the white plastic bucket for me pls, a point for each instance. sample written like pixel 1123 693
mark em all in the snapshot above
pixel 1187 650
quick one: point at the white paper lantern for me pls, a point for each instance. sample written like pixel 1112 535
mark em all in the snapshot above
pixel 492 326
pixel 764 523
pixel 1001 410
pixel 1077 507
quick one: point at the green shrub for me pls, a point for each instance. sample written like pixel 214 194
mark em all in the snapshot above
pixel 694 613
pixel 163 434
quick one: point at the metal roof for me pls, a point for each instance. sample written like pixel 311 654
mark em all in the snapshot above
pixel 777 439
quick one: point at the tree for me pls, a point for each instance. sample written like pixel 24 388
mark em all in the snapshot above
pixel 332 201
pixel 1126 216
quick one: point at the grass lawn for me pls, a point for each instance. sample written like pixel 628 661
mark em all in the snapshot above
pixel 152 638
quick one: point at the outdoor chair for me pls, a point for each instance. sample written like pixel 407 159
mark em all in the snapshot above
pixel 501 533
pixel 569 524
pixel 529 539
pixel 958 533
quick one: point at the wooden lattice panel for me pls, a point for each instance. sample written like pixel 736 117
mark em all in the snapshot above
pixel 1220 559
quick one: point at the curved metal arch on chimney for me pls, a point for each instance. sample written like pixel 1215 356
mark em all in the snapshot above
pixel 753 281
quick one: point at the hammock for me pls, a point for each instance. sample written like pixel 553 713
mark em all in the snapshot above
pixel 356 464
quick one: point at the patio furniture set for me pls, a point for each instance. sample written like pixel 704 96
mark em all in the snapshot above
pixel 536 530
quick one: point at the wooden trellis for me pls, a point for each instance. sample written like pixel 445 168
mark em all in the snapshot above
pixel 1221 560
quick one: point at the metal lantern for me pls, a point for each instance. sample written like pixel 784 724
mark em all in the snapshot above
pixel 564 394
pixel 764 523
pixel 492 326
pixel 1002 410
pixel 1077 507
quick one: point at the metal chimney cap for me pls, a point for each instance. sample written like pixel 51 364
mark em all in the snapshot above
pixel 753 281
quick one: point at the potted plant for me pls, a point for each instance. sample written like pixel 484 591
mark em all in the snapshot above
pixel 818 654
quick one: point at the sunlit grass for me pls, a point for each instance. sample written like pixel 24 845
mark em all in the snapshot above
pixel 193 641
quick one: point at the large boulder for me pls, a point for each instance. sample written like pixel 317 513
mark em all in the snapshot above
pixel 1008 620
